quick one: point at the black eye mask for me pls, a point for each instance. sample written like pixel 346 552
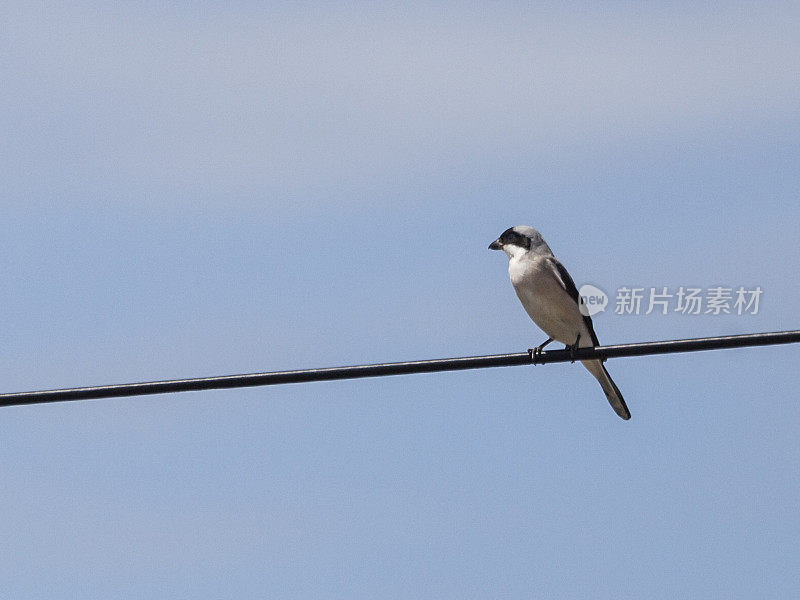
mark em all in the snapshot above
pixel 512 237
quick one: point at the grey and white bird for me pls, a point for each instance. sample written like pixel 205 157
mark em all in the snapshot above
pixel 550 298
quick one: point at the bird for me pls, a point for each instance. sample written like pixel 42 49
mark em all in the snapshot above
pixel 552 301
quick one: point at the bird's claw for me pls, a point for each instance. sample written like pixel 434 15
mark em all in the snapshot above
pixel 572 348
pixel 536 353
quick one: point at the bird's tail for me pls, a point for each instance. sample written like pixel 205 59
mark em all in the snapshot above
pixel 598 369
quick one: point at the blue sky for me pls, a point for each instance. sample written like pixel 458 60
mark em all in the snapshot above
pixel 206 189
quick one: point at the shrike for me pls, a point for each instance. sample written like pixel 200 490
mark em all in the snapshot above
pixel 551 299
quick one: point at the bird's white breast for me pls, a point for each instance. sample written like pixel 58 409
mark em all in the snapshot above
pixel 544 298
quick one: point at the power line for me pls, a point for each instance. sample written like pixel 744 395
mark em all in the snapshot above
pixel 399 368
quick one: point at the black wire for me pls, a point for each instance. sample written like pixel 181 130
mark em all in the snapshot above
pixel 399 368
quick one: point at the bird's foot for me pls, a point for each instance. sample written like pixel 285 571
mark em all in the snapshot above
pixel 573 348
pixel 536 353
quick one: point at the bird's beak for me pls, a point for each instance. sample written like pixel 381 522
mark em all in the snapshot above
pixel 496 245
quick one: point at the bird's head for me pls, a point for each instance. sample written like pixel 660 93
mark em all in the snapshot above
pixel 519 240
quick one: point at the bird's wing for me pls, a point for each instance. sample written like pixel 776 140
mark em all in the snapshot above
pixel 566 281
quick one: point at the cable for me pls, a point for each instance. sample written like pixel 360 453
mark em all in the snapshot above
pixel 399 368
